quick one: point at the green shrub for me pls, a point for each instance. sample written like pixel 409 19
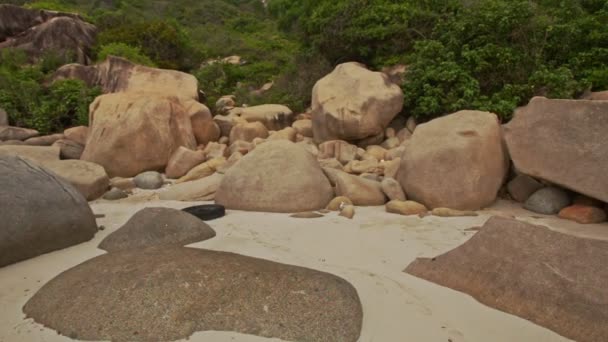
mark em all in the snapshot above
pixel 131 53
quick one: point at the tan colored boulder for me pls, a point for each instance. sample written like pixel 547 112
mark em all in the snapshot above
pixel 198 190
pixel 122 183
pixel 366 166
pixel 117 74
pixel 447 212
pixel 69 149
pixel 338 149
pixel 37 154
pixel 371 141
pixel 404 135
pixel 348 211
pixel 274 117
pixel 88 178
pixel 395 153
pixel 361 191
pixel 242 147
pixel 46 140
pixel 288 133
pixel 583 214
pixel 339 202
pixel 390 133
pixel 182 161
pixel 391 143
pixel 278 176
pixel 353 103
pixel 215 150
pixel 224 104
pixel 332 163
pixel 563 142
pixel 131 133
pixel 225 123
pixel 234 158
pixel 248 131
pixel 303 127
pixel 203 170
pixel 77 134
pixel 309 146
pixel 204 128
pixel 378 152
pixel 392 189
pixel 16 133
pixel 406 208
pixel 457 161
pixel 391 168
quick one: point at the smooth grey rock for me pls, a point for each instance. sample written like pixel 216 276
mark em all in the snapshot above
pixel 150 180
pixel 548 201
pixel 115 194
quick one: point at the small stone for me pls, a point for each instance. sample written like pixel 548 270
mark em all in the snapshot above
pixel 348 211
pixel 447 212
pixel 306 215
pixel 150 180
pixel 406 208
pixel 522 187
pixel 583 214
pixel 393 189
pixel 122 183
pixel 391 143
pixel 115 194
pixel 548 201
pixel 411 124
pixel 339 202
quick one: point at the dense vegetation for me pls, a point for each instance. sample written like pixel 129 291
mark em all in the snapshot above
pixel 475 54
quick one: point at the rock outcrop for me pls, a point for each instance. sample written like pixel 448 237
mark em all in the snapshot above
pixel 359 190
pixel 353 103
pixel 278 176
pixel 457 161
pixel 40 212
pixel 563 142
pixel 554 280
pixel 275 117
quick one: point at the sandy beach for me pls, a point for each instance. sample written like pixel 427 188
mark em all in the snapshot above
pixel 370 252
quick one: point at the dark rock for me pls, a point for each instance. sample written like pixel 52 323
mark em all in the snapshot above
pixel 150 180
pixel 165 294
pixel 16 133
pixel 115 194
pixel 554 280
pixel 69 149
pixel 206 212
pixel 548 201
pixel 40 212
pixel 522 187
pixel 157 227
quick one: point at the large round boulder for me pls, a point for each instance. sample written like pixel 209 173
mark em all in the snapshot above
pixel 457 161
pixel 40 212
pixel 353 103
pixel 278 176
pixel 135 132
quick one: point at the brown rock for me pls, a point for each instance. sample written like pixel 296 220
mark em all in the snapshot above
pixel 411 124
pixel 78 134
pixel 391 143
pixel 361 191
pixel 522 187
pixel 182 161
pixel 37 154
pixel 288 133
pixel 563 142
pixel 348 211
pixel 88 178
pixel 392 189
pixel 378 152
pixel 338 202
pixel 234 158
pixel 215 150
pixel 274 117
pixel 353 103
pixel 169 293
pixel 132 133
pixel 338 149
pixel 247 132
pixel 122 183
pixel 203 189
pixel 395 153
pixel 447 212
pixel 203 170
pixel 331 163
pixel 204 128
pixel 16 133
pixel 391 168
pixel 551 279
pixel 69 149
pixel 404 135
pixel 405 208
pixel 303 127
pixel 278 176
pixel 117 74
pixel 46 140
pixel 457 161
pixel 242 147
pixel 583 214
pixel 366 166
pixel 371 141
pixel 597 96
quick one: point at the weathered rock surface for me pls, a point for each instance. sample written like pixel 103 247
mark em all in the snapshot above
pixel 46 140
pixel 548 201
pixel 361 191
pixel 131 133
pixel 199 190
pixel 182 161
pixel 203 170
pixel 248 132
pixel 40 212
pixel 69 149
pixel 157 227
pixel 90 179
pixel 392 189
pixel 563 142
pixel 353 103
pixel 37 154
pixel 117 74
pixel 275 117
pixel 303 127
pixel 457 161
pixel 278 176
pixel 78 134
pixel 16 133
pixel 554 280
pixel 38 32
pixel 204 128
pixel 341 150
pixel 106 299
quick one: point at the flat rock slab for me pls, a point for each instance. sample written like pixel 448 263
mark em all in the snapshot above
pixel 169 293
pixel 158 227
pixel 552 279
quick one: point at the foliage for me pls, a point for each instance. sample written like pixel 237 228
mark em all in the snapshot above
pixel 31 104
pixel 131 53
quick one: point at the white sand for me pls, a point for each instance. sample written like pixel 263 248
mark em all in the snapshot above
pixel 370 251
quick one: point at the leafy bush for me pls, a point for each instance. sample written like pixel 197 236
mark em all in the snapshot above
pixel 131 53
pixel 31 104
